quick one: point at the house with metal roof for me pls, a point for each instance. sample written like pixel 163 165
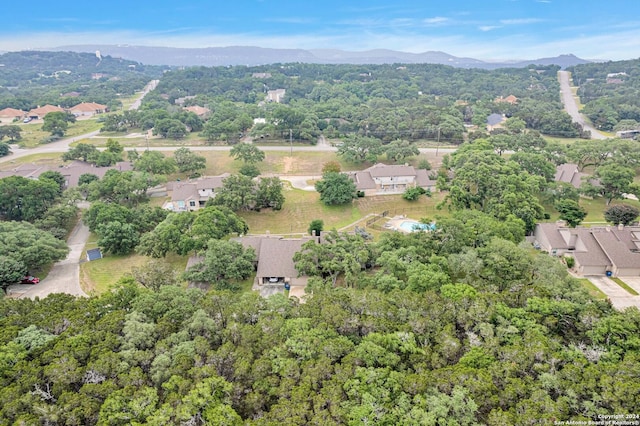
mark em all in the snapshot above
pixel 608 250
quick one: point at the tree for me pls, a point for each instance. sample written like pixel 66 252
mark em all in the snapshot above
pixel 316 227
pixel 269 193
pixel 331 166
pixel 237 193
pixel 155 274
pixel 82 151
pixel 22 242
pixel 57 122
pixel 11 271
pixel 154 162
pixel 570 211
pixel 357 149
pixel 399 150
pixel 54 176
pixel 12 132
pixel 117 237
pixel 248 153
pixel 412 193
pixel 613 181
pixel 170 128
pixel 188 161
pixel 87 178
pixel 5 149
pixel 336 188
pixel 26 199
pixel 128 188
pixel 249 170
pixel 621 214
pixel 225 263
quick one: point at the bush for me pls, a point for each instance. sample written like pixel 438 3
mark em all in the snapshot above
pixel 570 261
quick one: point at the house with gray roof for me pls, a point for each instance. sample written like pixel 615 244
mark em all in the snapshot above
pixel 570 173
pixel 71 172
pixel 608 250
pixel 193 194
pixel 391 179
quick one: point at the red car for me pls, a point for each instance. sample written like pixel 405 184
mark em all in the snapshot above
pixel 30 280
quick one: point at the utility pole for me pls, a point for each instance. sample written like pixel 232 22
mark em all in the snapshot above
pixel 438 141
pixel 291 141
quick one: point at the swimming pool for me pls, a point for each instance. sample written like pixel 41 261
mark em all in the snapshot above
pixel 413 226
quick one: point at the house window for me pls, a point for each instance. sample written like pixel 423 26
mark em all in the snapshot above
pixel 192 203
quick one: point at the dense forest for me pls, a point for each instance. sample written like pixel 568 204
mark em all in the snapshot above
pixel 388 102
pixel 510 340
pixel 32 78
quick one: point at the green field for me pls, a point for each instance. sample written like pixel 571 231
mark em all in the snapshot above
pixel 32 134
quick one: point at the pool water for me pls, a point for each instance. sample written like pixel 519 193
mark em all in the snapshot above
pixel 413 226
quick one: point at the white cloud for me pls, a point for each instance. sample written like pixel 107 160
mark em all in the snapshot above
pixel 520 21
pixel 436 20
pixel 486 28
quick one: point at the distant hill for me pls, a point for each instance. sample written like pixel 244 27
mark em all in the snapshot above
pixel 249 55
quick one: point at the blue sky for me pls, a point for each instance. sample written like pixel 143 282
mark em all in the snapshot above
pixel 482 29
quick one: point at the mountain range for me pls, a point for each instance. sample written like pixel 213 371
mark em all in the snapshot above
pixel 251 56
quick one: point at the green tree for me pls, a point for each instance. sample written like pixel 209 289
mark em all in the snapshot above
pixel 336 188
pixel 11 132
pixel 225 263
pixel 412 193
pixel 316 227
pixel 570 211
pixel 154 162
pixel 400 150
pixel 57 122
pixel 247 152
pixel 331 166
pixel 188 161
pixel 11 271
pixel 82 151
pixel 358 149
pixel 621 214
pixel 5 149
pixel 238 192
pixel 54 176
pixel 613 181
pixel 170 128
pixel 26 199
pixel 155 274
pixel 269 193
pixel 117 237
pixel 23 243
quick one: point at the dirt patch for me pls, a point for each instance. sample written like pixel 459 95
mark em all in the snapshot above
pixel 287 164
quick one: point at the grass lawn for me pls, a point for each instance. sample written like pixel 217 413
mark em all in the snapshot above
pixel 301 207
pixel 624 285
pixel 592 289
pixel 97 276
pixel 32 134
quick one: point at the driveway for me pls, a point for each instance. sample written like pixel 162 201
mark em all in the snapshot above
pixel 572 108
pixel 64 276
pixel 620 298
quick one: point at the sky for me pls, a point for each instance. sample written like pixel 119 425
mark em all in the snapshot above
pixel 481 29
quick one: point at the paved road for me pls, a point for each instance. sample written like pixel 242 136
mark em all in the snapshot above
pixel 620 298
pixel 64 276
pixel 572 108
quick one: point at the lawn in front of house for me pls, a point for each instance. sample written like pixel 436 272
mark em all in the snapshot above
pixel 33 135
pixel 593 290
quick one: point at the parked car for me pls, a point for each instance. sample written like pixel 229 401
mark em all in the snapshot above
pixel 30 279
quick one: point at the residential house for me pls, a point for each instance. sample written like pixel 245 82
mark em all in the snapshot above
pixel 628 134
pixel 40 112
pixel 509 99
pixel 201 112
pixel 9 115
pixel 275 95
pixel 193 194
pixel 570 173
pixel 274 264
pixel 494 121
pixel 261 75
pixel 71 172
pixel 88 109
pixel 609 250
pixel 391 179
